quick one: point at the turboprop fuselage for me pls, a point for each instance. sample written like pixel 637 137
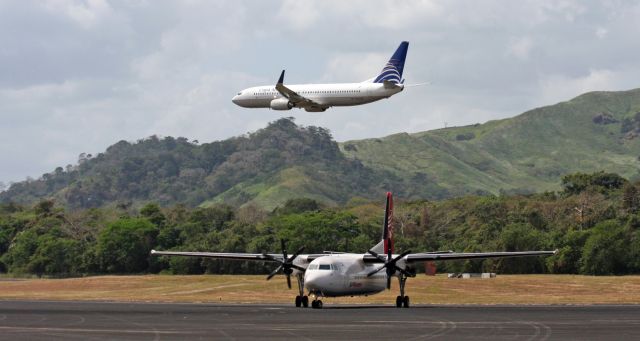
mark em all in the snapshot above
pixel 343 275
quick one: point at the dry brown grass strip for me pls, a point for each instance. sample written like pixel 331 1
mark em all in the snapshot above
pixel 505 289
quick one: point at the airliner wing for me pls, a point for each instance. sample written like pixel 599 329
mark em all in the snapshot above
pixel 294 97
pixel 417 257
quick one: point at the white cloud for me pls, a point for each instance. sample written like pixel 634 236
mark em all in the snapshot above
pixel 601 32
pixel 556 88
pixel 79 75
pixel 520 48
pixel 86 13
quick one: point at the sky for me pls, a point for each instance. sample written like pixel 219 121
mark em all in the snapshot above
pixel 76 76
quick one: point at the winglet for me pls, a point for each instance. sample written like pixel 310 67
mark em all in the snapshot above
pixel 281 79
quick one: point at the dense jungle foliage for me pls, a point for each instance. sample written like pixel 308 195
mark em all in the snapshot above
pixel 594 223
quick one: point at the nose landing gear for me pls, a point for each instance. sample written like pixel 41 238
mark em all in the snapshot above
pixel 316 304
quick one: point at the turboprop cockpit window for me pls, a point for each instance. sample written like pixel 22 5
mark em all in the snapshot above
pixel 325 266
pixel 239 93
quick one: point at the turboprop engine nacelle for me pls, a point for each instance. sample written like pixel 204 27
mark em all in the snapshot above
pixel 281 104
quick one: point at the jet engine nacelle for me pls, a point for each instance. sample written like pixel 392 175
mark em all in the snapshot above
pixel 281 104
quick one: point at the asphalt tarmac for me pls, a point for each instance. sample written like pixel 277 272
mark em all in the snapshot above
pixel 46 320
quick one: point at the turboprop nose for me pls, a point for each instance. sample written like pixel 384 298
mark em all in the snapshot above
pixel 235 100
pixel 314 281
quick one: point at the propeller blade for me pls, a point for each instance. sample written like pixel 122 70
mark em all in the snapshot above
pixel 405 272
pixel 376 271
pixel 400 256
pixel 388 282
pixel 296 254
pixel 377 256
pixel 289 281
pixel 274 272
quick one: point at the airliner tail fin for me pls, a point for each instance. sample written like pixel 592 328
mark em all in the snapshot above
pixel 392 71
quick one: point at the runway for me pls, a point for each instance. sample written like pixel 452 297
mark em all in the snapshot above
pixel 45 320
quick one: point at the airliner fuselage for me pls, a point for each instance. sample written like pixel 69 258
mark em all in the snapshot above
pixel 326 95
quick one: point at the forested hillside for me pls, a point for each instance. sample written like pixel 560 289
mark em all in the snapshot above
pixel 279 162
pixel 594 222
pixel 529 153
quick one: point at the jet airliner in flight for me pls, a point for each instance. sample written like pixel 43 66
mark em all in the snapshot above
pixel 319 97
pixel 333 274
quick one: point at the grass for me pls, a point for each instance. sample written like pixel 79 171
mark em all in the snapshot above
pixel 505 289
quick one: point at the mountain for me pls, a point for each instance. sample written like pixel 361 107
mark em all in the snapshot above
pixel 527 153
pixel 267 167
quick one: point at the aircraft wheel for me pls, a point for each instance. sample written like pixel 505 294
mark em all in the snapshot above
pixel 298 301
pixel 319 304
pixel 314 304
pixel 399 301
pixel 305 301
pixel 406 302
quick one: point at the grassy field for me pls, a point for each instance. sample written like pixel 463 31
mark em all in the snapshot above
pixel 505 289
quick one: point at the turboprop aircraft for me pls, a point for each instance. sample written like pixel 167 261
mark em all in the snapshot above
pixel 319 97
pixel 334 274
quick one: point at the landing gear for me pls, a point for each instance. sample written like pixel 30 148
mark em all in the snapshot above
pixel 301 300
pixel 402 300
pixel 316 304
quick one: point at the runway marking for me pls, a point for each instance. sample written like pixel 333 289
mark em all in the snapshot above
pixel 85 330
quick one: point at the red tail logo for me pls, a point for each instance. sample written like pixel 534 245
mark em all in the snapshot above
pixel 387 233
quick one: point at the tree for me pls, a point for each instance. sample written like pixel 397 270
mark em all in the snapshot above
pixel 600 181
pixel 124 245
pixel 605 251
pixel 56 256
pixel 521 237
pixel 152 212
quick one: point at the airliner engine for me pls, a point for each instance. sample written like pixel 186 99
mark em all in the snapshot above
pixel 281 104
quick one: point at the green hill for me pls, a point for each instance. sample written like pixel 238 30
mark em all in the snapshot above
pixel 527 153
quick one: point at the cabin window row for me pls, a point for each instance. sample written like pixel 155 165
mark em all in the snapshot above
pixel 312 92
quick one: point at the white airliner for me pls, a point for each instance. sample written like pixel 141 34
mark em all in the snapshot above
pixel 319 97
pixel 334 274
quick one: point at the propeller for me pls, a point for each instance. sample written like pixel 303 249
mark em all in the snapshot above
pixel 390 265
pixel 286 264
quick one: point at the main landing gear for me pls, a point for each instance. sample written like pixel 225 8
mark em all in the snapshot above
pixel 402 300
pixel 302 300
